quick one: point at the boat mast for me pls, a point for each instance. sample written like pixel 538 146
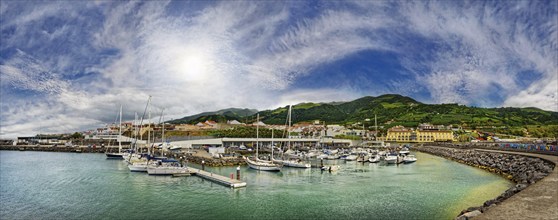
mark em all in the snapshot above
pixel 143 116
pixel 257 134
pixel 376 127
pixel 120 132
pixel 288 128
pixel 135 131
pixel 163 134
pixel 272 144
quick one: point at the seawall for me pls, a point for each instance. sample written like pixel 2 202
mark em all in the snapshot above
pixel 524 170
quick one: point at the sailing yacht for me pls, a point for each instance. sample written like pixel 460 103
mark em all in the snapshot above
pixel 118 155
pixel 297 163
pixel 257 164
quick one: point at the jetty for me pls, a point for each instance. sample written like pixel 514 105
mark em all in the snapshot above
pixel 233 183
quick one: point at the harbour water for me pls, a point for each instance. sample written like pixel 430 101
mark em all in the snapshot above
pixel 50 185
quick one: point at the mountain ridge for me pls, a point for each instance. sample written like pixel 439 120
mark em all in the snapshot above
pixel 390 109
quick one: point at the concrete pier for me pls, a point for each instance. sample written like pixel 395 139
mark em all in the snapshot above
pixel 233 183
pixel 538 201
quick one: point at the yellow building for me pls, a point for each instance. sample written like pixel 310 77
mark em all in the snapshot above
pixel 402 134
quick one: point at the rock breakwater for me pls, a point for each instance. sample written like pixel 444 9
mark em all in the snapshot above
pixel 522 170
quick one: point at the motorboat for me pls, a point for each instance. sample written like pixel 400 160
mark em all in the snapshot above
pixel 351 157
pixel 404 151
pixel 332 157
pixel 166 167
pixel 293 163
pixel 374 159
pixel 409 159
pixel 391 159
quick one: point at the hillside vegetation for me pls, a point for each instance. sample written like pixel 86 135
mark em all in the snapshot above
pixel 394 110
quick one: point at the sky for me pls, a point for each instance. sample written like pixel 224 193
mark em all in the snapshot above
pixel 67 66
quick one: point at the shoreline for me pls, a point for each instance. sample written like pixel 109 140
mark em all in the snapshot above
pixel 523 170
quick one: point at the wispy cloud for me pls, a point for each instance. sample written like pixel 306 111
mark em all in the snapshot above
pixel 70 66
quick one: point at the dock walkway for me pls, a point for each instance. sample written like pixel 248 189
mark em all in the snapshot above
pixel 233 183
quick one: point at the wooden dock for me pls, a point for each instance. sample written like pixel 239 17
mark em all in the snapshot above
pixel 233 183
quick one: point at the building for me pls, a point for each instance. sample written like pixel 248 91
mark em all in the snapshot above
pixel 420 135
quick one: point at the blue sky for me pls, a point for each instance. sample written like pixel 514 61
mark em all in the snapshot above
pixel 68 66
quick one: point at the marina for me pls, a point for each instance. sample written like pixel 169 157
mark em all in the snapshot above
pixel 432 187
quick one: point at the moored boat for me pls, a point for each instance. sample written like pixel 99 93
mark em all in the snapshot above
pixel 391 159
pixel 266 166
pixel 374 159
pixel 118 156
pixel 167 170
pixel 257 164
pixel 409 159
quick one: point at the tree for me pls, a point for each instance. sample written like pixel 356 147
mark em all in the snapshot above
pixel 77 135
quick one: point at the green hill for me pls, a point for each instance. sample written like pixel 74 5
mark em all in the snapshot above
pixel 401 110
pixel 392 110
pixel 218 116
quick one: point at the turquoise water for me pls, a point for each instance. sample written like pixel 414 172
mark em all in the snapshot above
pixel 49 185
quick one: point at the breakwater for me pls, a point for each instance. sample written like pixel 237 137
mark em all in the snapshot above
pixel 51 148
pixel 522 170
pixel 541 148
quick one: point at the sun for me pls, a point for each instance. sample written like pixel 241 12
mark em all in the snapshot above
pixel 193 65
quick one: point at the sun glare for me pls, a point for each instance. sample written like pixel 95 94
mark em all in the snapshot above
pixel 193 65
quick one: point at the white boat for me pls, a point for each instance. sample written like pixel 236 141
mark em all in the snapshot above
pixel 260 164
pixel 374 159
pixel 391 159
pixel 322 156
pixel 312 153
pixel 409 159
pixel 167 170
pixel 404 151
pixel 351 157
pixel 332 157
pixel 293 163
pixel 138 167
pixel 362 158
pixel 266 166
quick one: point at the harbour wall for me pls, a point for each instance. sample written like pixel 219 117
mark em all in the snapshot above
pixel 522 170
pixel 540 148
pixel 52 148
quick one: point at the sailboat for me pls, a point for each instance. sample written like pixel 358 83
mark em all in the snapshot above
pixel 292 163
pixel 163 165
pixel 257 164
pixel 138 162
pixel 118 155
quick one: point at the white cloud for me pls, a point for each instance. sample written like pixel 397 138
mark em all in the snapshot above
pixel 249 54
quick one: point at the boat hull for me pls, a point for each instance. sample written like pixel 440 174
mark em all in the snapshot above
pixel 167 170
pixel 390 159
pixel 137 168
pixel 296 164
pixel 116 156
pixel 262 165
